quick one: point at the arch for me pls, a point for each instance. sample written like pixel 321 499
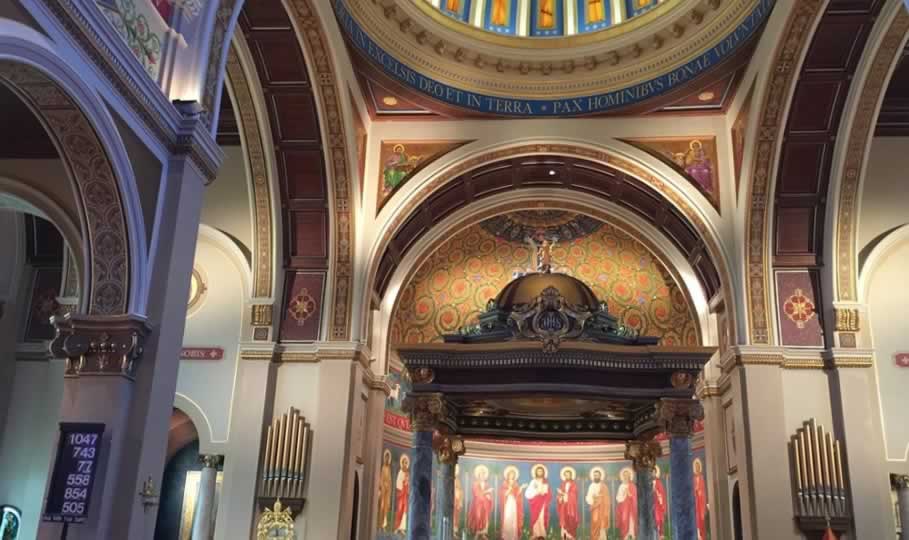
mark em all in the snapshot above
pixel 851 161
pixel 673 213
pixel 96 160
pixel 608 212
pixel 230 248
pixel 199 419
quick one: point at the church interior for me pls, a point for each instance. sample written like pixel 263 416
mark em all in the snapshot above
pixel 454 269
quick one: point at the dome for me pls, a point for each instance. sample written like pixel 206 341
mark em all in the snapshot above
pixel 527 288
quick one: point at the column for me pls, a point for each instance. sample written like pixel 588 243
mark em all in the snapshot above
pixel 448 449
pixel 902 496
pixel 426 412
pixel 678 417
pixel 122 370
pixel 204 514
pixel 643 454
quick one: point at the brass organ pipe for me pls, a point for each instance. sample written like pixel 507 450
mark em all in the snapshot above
pixel 800 441
pixel 285 448
pixel 794 447
pixel 839 477
pixel 809 459
pixel 293 449
pixel 298 459
pixel 825 470
pixel 304 443
pixel 265 470
pixel 282 427
pixel 816 452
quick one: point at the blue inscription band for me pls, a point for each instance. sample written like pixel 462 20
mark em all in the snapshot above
pixel 583 105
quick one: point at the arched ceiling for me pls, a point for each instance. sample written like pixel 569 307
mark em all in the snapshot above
pixel 453 285
pixel 452 67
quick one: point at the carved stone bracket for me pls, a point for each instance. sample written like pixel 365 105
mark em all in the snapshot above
pixel 643 454
pixel 427 412
pixel 677 416
pixel 105 346
pixel 448 447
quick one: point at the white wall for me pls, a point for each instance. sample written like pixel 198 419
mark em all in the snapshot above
pixel 227 200
pixel 885 199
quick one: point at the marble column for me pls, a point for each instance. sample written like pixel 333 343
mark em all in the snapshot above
pixel 204 514
pixel 643 454
pixel 678 417
pixel 448 448
pixel 426 412
pixel 902 497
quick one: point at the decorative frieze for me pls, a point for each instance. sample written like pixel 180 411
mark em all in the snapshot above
pixel 99 345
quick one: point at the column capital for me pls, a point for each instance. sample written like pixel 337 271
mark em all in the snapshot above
pixel 900 481
pixel 677 416
pixel 427 411
pixel 99 345
pixel 210 461
pixel 448 447
pixel 643 453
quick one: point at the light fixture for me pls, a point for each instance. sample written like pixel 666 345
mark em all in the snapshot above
pixel 706 96
pixel 552 172
pixel 391 101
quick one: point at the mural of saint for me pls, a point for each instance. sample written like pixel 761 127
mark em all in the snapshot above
pixel 599 502
pixel 511 505
pixel 546 18
pixel 402 494
pixel 396 168
pixel 385 490
pixel 627 506
pixel 697 164
pixel 538 496
pixel 659 502
pixel 700 499
pixel 453 6
pixel 567 505
pixel 480 512
pixel 499 13
pixel 458 501
pixel 596 11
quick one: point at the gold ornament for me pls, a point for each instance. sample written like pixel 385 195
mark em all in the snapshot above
pixel 275 523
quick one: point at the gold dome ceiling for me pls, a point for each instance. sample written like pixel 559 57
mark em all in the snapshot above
pixel 473 64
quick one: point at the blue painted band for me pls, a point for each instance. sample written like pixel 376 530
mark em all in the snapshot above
pixel 596 103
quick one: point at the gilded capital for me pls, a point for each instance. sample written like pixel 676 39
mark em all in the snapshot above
pixel 643 454
pixel 448 448
pixel 900 481
pixel 677 416
pixel 427 411
pixel 94 345
pixel 847 319
pixel 210 461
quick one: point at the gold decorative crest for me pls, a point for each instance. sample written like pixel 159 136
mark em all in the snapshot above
pixel 275 523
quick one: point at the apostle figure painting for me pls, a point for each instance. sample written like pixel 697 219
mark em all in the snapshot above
pixel 501 499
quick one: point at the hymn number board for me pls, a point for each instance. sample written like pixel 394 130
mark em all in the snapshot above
pixel 74 472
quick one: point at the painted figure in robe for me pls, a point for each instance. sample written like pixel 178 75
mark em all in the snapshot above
pixel 599 502
pixel 385 490
pixel 402 495
pixel 499 12
pixel 596 11
pixel 511 505
pixel 567 505
pixel 700 499
pixel 659 502
pixel 458 501
pixel 547 14
pixel 538 496
pixel 627 507
pixel 480 512
pixel 453 6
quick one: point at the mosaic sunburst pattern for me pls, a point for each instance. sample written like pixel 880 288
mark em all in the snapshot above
pixel 453 285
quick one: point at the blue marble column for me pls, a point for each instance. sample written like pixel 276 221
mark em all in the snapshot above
pixel 644 476
pixel 445 493
pixel 681 492
pixel 419 526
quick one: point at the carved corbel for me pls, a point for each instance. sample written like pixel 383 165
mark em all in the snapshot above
pixel 678 416
pixel 99 345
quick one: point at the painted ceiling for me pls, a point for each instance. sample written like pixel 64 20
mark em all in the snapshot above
pixel 453 285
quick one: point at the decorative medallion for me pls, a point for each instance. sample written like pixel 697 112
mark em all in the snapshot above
pixel 901 359
pixel 799 308
pixel 302 307
pixel 276 522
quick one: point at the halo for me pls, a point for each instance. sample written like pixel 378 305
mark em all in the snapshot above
pixel 386 453
pixel 656 471
pixel 398 148
pixel 517 473
pixel 595 469
pixel 533 470
pixel 481 469
pixel 569 468
pixel 697 463
pixel 622 473
pixel 696 145
pixel 404 459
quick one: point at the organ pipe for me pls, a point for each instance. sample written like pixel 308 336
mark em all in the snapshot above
pixel 284 460
pixel 817 465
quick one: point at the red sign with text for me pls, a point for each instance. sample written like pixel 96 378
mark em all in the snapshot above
pixel 201 353
pixel 902 359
